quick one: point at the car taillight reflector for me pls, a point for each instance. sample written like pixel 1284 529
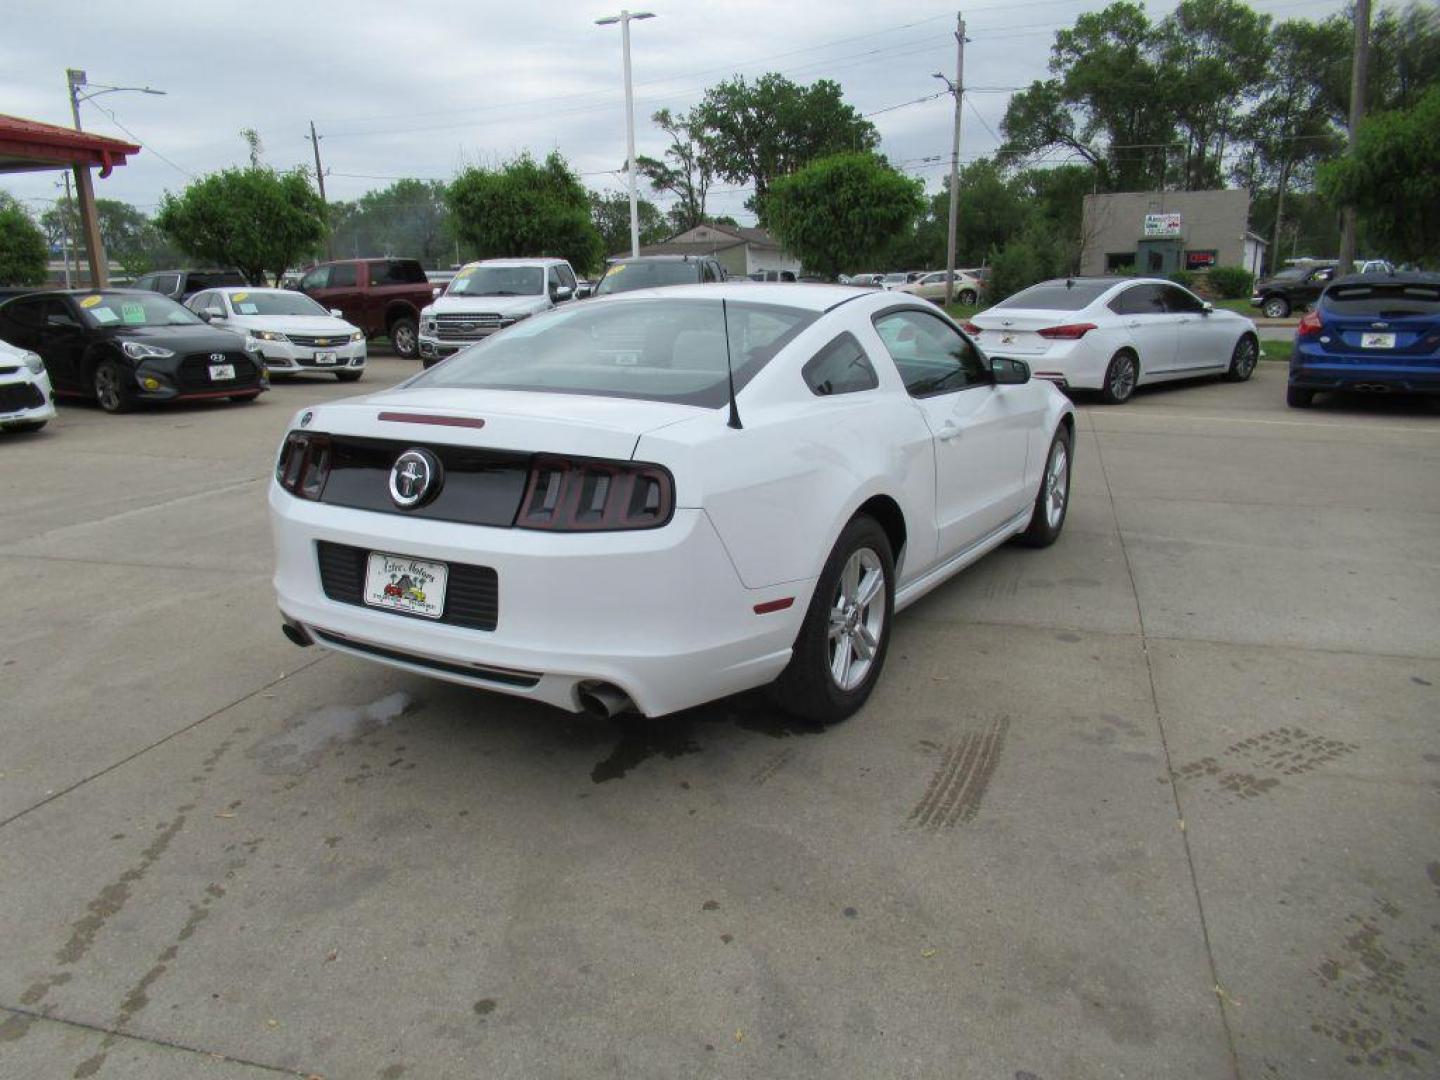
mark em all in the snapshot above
pixel 304 464
pixel 1310 325
pixel 1067 332
pixel 970 328
pixel 580 495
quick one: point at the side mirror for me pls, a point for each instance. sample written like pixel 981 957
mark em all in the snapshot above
pixel 582 292
pixel 435 292
pixel 561 292
pixel 212 313
pixel 61 322
pixel 1009 371
pixel 335 311
pixel 1207 308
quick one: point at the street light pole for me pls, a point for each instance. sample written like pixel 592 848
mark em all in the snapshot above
pixel 624 20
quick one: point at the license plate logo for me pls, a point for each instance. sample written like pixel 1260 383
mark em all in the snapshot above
pixel 222 372
pixel 399 583
pixel 1377 341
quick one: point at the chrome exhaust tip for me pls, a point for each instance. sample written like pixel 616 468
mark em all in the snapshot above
pixel 604 701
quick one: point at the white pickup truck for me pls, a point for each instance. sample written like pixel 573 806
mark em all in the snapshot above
pixel 490 295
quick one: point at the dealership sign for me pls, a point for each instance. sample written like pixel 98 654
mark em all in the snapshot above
pixel 1164 225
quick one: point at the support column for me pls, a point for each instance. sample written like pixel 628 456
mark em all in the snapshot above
pixel 90 229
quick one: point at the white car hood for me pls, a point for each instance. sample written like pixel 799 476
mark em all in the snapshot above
pixel 293 324
pixel 506 306
pixel 604 427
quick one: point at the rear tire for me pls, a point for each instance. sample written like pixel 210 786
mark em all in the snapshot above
pixel 1052 501
pixel 1120 378
pixel 1275 307
pixel 1298 397
pixel 840 651
pixel 1243 359
pixel 404 338
pixel 967 296
pixel 111 391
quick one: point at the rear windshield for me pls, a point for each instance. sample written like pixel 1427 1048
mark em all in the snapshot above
pixel 134 309
pixel 1389 300
pixel 623 277
pixel 1058 296
pixel 651 350
pixel 398 272
pixel 200 282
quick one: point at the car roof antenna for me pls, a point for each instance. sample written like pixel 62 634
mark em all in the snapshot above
pixel 734 421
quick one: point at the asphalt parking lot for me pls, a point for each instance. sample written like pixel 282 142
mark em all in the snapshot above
pixel 1159 801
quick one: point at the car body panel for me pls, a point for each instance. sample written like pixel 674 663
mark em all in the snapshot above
pixel 26 396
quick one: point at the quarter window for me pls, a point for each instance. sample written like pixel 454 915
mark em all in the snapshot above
pixel 1180 302
pixel 931 356
pixel 840 368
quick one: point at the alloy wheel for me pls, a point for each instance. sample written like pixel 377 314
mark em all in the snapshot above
pixel 107 388
pixel 1276 309
pixel 857 618
pixel 404 340
pixel 1245 358
pixel 1122 378
pixel 1057 484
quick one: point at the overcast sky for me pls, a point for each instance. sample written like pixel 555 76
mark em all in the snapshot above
pixel 401 89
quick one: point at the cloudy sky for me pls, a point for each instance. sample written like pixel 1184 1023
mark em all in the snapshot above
pixel 400 89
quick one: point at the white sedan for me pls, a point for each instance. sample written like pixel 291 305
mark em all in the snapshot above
pixel 1113 335
pixel 27 402
pixel 931 286
pixel 292 333
pixel 582 511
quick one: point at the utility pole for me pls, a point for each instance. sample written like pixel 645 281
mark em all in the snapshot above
pixel 1359 72
pixel 65 232
pixel 957 90
pixel 320 181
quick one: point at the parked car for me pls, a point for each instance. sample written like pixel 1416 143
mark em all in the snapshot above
pixel 1294 288
pixel 292 333
pixel 868 281
pixel 180 285
pixel 1114 335
pixel 598 521
pixel 488 296
pixel 1369 332
pixel 122 347
pixel 26 400
pixel 787 276
pixel 383 297
pixel 895 280
pixel 651 271
pixel 931 286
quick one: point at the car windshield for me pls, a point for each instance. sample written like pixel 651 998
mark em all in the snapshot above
pixel 626 276
pixel 1294 273
pixel 498 281
pixel 134 309
pixel 1392 300
pixel 1058 295
pixel 276 302
pixel 648 349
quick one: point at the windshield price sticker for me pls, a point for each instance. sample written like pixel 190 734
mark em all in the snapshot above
pixel 246 309
pixel 133 313
pixel 104 315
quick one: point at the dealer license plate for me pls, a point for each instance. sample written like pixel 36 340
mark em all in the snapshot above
pixel 1377 341
pixel 324 358
pixel 222 372
pixel 398 583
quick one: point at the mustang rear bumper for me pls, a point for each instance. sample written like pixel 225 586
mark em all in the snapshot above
pixel 659 613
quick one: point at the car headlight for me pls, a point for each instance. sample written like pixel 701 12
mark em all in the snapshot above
pixel 358 335
pixel 33 362
pixel 138 350
pixel 267 335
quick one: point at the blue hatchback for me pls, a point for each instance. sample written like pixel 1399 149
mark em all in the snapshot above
pixel 1369 332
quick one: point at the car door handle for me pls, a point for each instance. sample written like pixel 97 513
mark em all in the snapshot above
pixel 949 431
pixel 1133 323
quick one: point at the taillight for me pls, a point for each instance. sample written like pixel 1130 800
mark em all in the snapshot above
pixel 1310 326
pixel 304 464
pixel 584 495
pixel 970 328
pixel 1067 332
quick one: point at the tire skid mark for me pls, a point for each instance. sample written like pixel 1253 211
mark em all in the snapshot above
pixel 958 785
pixel 771 767
pixel 1254 766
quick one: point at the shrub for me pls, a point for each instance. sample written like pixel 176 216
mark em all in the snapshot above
pixel 1231 282
pixel 23 254
pixel 1184 277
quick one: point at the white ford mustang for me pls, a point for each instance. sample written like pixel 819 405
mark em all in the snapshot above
pixel 581 510
pixel 1114 334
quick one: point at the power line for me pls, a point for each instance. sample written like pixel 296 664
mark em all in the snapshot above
pixel 116 121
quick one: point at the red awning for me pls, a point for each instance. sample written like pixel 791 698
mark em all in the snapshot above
pixel 29 146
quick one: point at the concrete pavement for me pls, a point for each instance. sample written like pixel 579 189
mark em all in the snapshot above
pixel 1158 801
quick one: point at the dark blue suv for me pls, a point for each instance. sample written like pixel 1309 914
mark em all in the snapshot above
pixel 1369 332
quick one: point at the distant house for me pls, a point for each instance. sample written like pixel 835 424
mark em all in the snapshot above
pixel 740 250
pixel 1160 232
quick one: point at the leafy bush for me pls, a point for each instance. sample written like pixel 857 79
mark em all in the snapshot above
pixel 23 254
pixel 1231 282
pixel 1184 277
pixel 1035 255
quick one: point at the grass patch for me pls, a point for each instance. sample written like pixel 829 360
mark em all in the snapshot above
pixel 961 312
pixel 1240 306
pixel 1276 350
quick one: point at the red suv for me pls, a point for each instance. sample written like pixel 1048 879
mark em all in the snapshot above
pixel 380 296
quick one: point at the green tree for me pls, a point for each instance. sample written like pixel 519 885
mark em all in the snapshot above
pixel 685 170
pixel 409 218
pixel 1392 179
pixel 841 209
pixel 23 253
pixel 525 208
pixel 758 132
pixel 130 237
pixel 256 220
pixel 611 213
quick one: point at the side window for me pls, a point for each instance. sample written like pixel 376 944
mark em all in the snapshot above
pixel 567 276
pixel 52 310
pixel 1180 302
pixel 342 276
pixel 319 278
pixel 199 302
pixel 169 284
pixel 145 281
pixel 1323 275
pixel 840 368
pixel 931 355
pixel 552 280
pixel 26 313
pixel 1139 300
